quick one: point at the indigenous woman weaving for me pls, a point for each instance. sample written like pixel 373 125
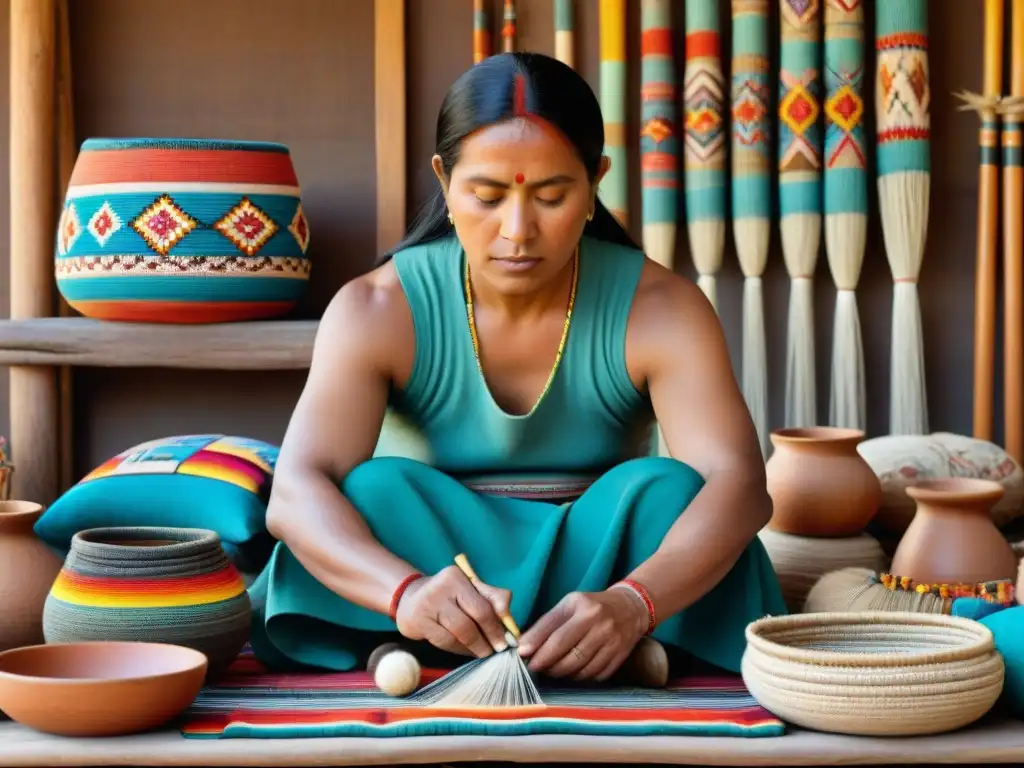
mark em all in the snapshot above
pixel 491 388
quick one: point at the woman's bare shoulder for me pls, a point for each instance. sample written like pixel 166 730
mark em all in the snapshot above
pixel 370 315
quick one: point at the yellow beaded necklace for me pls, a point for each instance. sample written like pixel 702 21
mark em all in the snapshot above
pixel 565 329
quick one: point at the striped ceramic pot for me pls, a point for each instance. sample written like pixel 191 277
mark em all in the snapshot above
pixel 182 231
pixel 162 585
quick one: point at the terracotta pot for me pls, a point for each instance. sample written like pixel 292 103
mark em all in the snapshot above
pixel 27 570
pixel 952 538
pixel 819 484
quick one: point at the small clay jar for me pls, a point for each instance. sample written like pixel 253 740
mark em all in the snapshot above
pixel 819 484
pixel 952 538
pixel 27 570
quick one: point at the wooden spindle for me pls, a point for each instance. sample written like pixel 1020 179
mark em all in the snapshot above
pixel 33 390
pixel 1013 243
pixel 988 224
pixel 389 133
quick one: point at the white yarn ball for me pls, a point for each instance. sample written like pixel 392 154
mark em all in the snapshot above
pixel 398 673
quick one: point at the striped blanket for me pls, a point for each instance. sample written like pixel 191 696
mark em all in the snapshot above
pixel 250 702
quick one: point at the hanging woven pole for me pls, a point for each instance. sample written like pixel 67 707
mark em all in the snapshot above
pixel 751 196
pixel 481 32
pixel 659 138
pixel 800 190
pixel 704 108
pixel 846 203
pixel 986 104
pixel 614 189
pixel 1013 242
pixel 565 43
pixel 508 28
pixel 903 127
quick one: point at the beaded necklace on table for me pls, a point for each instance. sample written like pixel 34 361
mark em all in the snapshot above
pixel 471 316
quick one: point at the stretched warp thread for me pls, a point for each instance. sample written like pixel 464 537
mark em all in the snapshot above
pixel 988 219
pixel 800 189
pixel 903 132
pixel 846 203
pixel 751 193
pixel 565 42
pixel 508 29
pixel 704 107
pixel 481 33
pixel 614 188
pixel 1013 245
pixel 659 137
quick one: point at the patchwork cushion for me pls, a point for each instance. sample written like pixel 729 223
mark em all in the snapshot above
pixel 902 460
pixel 218 482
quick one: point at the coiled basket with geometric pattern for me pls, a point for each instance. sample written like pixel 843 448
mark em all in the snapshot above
pixel 163 585
pixel 182 231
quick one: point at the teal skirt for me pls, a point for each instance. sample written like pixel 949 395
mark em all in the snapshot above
pixel 538 550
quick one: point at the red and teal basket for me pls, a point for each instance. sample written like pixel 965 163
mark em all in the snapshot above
pixel 182 231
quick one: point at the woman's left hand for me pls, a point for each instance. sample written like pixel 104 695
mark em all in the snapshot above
pixel 587 636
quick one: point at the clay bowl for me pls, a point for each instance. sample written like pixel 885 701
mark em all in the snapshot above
pixel 99 688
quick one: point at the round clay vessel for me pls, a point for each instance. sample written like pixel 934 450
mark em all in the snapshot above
pixel 99 689
pixel 952 538
pixel 819 484
pixel 27 570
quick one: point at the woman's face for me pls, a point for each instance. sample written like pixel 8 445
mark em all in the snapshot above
pixel 520 198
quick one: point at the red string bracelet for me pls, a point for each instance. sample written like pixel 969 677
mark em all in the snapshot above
pixel 640 592
pixel 399 591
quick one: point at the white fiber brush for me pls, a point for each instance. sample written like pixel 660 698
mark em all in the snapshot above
pixel 499 680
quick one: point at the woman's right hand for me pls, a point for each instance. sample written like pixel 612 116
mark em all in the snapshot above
pixel 452 614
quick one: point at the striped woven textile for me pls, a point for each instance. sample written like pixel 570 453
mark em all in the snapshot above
pixel 251 702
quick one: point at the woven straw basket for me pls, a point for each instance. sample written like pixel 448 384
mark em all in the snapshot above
pixel 873 673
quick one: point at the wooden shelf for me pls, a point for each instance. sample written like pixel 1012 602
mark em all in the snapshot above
pixel 76 341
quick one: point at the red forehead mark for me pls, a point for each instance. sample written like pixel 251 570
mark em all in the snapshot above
pixel 520 178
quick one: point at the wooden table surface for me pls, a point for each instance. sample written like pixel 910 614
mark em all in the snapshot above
pixel 1000 741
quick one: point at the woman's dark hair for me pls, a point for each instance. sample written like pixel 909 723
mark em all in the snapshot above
pixel 488 93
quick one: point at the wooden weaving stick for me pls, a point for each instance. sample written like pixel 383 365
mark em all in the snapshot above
pixel 1013 241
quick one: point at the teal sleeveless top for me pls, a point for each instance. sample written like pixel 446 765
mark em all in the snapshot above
pixel 591 418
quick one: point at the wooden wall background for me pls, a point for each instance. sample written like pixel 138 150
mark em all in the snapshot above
pixel 301 72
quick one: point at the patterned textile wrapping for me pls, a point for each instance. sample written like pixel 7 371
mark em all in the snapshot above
pixel 252 703
pixel 182 231
pixel 800 204
pixel 614 188
pixel 508 28
pixel 903 126
pixel 162 585
pixel 659 137
pixel 481 32
pixel 564 32
pixel 704 107
pixel 846 203
pixel 752 193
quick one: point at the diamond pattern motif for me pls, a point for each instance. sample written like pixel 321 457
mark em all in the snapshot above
pixel 104 223
pixel 163 224
pixel 748 114
pixel 799 109
pixel 247 226
pixel 299 228
pixel 69 229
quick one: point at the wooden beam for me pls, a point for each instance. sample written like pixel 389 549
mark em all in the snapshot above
pixel 33 392
pixel 79 341
pixel 390 131
pixel 67 152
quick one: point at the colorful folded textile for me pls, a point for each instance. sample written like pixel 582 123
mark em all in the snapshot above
pixel 251 702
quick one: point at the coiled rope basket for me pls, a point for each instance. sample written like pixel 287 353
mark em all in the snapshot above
pixel 158 585
pixel 873 673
